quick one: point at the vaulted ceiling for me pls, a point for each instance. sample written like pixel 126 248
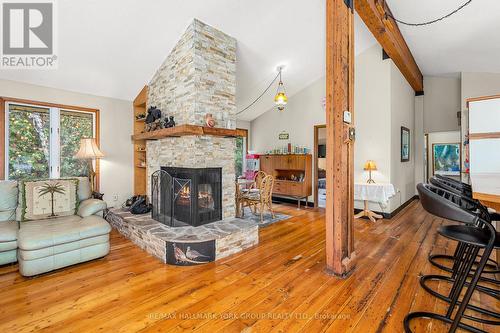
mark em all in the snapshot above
pixel 112 48
pixel 468 41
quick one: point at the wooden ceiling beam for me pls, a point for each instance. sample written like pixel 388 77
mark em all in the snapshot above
pixel 387 33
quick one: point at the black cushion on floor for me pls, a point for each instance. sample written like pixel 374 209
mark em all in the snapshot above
pixel 467 234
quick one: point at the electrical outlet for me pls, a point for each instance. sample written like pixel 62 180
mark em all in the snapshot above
pixel 115 197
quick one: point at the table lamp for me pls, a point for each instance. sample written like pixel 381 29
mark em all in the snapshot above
pixel 90 152
pixel 370 166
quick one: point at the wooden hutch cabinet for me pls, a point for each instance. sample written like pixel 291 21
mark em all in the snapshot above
pixel 292 173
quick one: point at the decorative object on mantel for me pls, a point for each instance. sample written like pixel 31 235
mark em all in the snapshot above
pixel 209 120
pixel 370 166
pixel 89 151
pixel 405 144
pixel 153 119
pixel 169 122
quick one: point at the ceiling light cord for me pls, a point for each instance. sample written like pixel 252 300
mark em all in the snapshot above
pixel 428 22
pixel 266 90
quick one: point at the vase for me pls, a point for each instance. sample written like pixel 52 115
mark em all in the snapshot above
pixel 209 120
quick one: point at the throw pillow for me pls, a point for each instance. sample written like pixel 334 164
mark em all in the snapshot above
pixel 49 198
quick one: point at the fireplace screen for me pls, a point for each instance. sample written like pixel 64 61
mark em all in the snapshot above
pixel 186 196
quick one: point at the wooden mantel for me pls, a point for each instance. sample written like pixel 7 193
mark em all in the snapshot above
pixel 184 130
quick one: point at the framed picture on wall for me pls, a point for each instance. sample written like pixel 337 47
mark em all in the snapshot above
pixel 405 144
pixel 446 159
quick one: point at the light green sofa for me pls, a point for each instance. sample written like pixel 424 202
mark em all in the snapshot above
pixel 46 245
pixel 8 224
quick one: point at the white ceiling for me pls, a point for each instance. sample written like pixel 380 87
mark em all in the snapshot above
pixel 112 48
pixel 468 41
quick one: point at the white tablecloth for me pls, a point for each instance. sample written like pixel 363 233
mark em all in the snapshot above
pixel 374 192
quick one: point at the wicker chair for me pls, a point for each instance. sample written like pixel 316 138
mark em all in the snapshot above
pixel 261 199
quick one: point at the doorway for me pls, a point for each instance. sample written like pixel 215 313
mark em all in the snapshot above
pixel 319 184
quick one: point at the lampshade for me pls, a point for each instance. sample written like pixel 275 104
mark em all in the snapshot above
pixel 370 165
pixel 88 150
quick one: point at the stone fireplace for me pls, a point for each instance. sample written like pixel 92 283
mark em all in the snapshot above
pixel 191 177
pixel 198 77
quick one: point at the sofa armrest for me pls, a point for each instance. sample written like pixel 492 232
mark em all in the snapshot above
pixel 90 207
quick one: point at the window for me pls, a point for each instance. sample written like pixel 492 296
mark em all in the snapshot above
pixel 240 155
pixel 41 141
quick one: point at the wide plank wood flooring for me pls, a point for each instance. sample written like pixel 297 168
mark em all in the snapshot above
pixel 278 286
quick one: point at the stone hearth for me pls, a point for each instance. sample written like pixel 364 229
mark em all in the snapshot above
pixel 230 236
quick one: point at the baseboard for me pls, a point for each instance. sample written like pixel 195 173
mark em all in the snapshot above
pixel 292 201
pixel 394 212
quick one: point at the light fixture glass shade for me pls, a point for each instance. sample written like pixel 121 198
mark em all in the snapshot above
pixel 88 150
pixel 280 99
pixel 370 165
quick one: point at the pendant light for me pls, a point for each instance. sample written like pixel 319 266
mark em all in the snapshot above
pixel 280 99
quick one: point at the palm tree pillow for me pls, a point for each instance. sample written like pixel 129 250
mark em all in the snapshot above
pixel 44 199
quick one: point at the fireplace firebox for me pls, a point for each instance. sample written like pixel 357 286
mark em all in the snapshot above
pixel 186 196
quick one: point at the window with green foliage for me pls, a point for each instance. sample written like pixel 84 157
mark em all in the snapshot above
pixel 74 126
pixel 29 142
pixel 41 141
pixel 239 156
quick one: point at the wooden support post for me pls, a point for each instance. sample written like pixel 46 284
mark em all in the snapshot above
pixel 340 137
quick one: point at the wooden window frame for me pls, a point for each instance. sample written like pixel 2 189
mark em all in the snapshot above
pixel 4 100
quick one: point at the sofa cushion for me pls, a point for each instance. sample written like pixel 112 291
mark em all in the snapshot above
pixel 8 200
pixel 7 257
pixel 83 192
pixel 90 207
pixel 62 248
pixel 48 198
pixel 8 246
pixel 35 235
pixel 8 231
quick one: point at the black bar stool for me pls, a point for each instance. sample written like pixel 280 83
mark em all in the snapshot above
pixel 475 234
pixel 469 204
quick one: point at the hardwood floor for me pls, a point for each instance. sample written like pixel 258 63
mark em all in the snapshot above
pixel 278 286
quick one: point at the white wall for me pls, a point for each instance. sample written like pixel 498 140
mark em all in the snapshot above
pixel 441 103
pixel 384 102
pixel 303 111
pixel 372 110
pixel 116 119
pixel 402 114
pixel 419 141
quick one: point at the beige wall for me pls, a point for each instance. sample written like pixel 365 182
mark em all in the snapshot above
pixel 479 84
pixel 441 103
pixel 475 85
pixel 116 128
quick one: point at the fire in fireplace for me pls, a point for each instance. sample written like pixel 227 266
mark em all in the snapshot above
pixel 186 196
